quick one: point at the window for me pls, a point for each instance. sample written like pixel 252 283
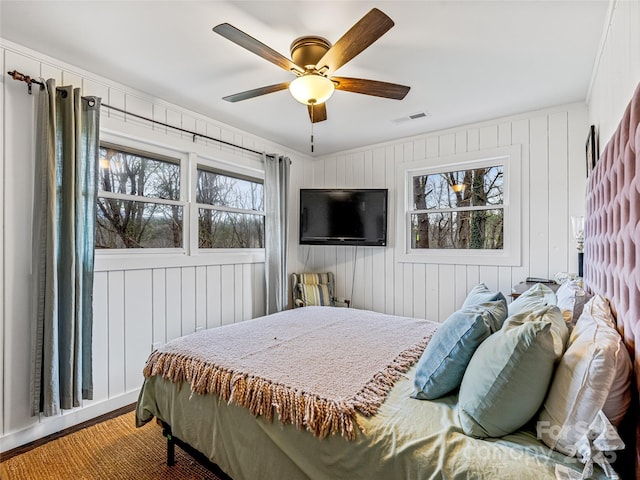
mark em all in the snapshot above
pixel 166 201
pixel 459 210
pixel 170 204
pixel 230 211
pixel 139 200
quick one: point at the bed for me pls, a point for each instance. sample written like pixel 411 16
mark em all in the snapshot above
pixel 406 438
pixel 242 395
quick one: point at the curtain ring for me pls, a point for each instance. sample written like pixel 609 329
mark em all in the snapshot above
pixel 91 102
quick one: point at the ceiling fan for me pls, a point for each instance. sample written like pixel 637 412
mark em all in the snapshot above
pixel 313 62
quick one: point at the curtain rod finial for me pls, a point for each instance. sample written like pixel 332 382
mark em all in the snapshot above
pixel 19 76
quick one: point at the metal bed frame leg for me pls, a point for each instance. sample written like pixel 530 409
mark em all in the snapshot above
pixel 171 445
pixel 195 454
pixel 171 452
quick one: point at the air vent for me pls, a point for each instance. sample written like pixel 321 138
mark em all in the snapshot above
pixel 412 116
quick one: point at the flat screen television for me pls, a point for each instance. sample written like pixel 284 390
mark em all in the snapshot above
pixel 343 217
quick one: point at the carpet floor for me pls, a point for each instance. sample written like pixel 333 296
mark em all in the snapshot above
pixel 113 449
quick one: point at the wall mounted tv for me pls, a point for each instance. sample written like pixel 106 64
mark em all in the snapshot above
pixel 343 217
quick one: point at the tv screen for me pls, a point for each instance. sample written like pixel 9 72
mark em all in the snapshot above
pixel 343 217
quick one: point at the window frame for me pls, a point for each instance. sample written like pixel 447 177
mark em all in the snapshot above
pixel 241 172
pixel 510 254
pixel 155 153
pixel 189 254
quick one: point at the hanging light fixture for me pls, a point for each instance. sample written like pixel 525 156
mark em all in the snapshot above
pixel 458 187
pixel 311 89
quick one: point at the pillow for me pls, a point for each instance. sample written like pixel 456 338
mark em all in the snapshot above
pixel 571 298
pixel 315 295
pixel 444 360
pixel 594 374
pixel 537 296
pixel 481 294
pixel 508 376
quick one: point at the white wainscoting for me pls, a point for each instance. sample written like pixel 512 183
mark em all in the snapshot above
pixel 137 305
pixel 136 310
pixel 553 183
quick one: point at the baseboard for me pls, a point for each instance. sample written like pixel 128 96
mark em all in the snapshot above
pixel 69 418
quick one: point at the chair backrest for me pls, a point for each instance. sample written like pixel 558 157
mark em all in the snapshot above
pixel 313 289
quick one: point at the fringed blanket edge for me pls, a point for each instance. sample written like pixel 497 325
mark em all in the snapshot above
pixel 261 396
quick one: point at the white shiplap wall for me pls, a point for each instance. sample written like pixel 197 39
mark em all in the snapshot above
pixel 135 309
pixel 617 71
pixel 553 182
pixel 137 302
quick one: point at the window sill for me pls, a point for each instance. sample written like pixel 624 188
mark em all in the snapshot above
pixel 462 257
pixel 137 260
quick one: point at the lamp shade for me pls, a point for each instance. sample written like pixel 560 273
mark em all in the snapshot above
pixel 577 224
pixel 311 89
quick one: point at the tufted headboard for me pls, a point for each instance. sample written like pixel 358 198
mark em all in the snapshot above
pixel 612 238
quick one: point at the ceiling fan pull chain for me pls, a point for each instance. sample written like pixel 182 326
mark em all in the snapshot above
pixel 312 105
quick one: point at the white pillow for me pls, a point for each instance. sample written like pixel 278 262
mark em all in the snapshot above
pixel 571 298
pixel 594 374
pixel 537 296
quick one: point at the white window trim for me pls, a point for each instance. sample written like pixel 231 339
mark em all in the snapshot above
pixel 189 254
pixel 510 255
pixel 225 169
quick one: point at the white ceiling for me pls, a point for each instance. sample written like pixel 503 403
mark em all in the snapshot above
pixel 466 61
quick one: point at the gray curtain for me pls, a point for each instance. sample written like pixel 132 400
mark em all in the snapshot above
pixel 64 211
pixel 276 179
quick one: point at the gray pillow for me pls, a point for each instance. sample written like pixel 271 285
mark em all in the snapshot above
pixel 481 294
pixel 507 378
pixel 444 360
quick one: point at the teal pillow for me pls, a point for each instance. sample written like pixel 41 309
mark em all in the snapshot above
pixel 481 294
pixel 444 360
pixel 537 296
pixel 508 376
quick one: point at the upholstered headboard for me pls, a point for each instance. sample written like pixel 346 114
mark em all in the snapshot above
pixel 612 236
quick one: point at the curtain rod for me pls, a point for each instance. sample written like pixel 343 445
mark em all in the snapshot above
pixel 28 80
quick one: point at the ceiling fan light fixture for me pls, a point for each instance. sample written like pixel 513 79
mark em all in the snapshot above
pixel 311 89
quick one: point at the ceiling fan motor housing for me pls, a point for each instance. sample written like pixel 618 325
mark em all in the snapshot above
pixel 307 51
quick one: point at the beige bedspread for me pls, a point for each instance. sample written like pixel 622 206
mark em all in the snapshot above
pixel 313 370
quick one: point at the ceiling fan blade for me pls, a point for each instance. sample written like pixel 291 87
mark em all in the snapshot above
pixel 366 31
pixel 256 92
pixel 247 41
pixel 371 87
pixel 319 112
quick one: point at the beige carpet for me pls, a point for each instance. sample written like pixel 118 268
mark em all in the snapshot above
pixel 113 450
